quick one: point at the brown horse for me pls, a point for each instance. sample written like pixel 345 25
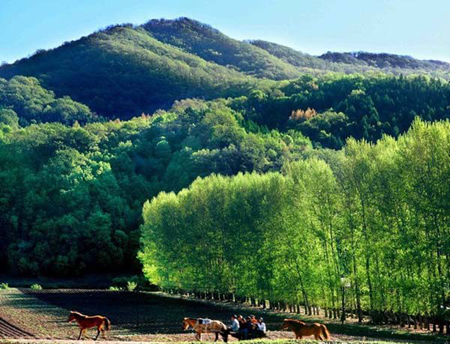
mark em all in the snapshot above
pixel 200 326
pixel 301 329
pixel 85 322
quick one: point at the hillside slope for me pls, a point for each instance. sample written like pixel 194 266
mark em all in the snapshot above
pixel 212 45
pixel 356 62
pixel 383 61
pixel 123 71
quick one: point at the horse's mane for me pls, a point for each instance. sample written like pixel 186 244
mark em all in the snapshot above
pixel 294 322
pixel 78 314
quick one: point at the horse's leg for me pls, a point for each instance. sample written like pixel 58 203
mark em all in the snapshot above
pixel 98 333
pixel 217 337
pixel 81 331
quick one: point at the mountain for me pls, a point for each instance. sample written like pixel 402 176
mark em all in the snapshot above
pixel 123 71
pixel 212 45
pixel 292 56
pixel 359 62
pixel 384 61
pixel 126 70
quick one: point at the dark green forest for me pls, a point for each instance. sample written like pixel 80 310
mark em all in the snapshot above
pixel 276 169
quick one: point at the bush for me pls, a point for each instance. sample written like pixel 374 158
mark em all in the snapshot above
pixel 113 288
pixel 131 286
pixel 124 282
pixel 36 287
pixel 4 286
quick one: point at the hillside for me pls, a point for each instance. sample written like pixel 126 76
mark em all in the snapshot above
pixel 357 62
pixel 123 71
pixel 24 101
pixel 212 45
pixel 385 61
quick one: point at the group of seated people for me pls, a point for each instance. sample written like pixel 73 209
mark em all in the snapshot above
pixel 249 327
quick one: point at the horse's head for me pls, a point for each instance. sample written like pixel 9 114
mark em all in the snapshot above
pixel 72 316
pixel 185 324
pixel 285 325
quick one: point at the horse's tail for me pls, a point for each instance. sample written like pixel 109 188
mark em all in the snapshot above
pixel 325 332
pixel 107 324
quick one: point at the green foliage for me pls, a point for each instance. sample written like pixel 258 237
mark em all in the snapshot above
pixel 131 286
pixel 212 45
pixel 113 288
pixel 24 100
pixel 386 61
pixel 4 286
pixel 347 106
pixel 124 71
pixel 373 215
pixel 36 287
pixel 71 197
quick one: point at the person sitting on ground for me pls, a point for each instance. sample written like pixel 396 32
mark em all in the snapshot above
pixel 234 324
pixel 243 327
pixel 254 320
pixel 262 325
pixel 251 327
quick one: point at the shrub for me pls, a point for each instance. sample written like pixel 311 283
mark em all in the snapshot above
pixel 4 286
pixel 131 286
pixel 36 287
pixel 113 288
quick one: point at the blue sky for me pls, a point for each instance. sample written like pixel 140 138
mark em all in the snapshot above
pixel 411 27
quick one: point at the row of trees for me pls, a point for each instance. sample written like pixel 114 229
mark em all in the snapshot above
pixel 370 221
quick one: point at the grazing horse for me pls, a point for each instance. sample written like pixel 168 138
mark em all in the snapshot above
pixel 301 329
pixel 200 326
pixel 85 322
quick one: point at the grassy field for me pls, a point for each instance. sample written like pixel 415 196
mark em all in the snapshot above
pixel 31 316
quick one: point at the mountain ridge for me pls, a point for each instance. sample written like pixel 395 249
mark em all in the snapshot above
pixel 125 70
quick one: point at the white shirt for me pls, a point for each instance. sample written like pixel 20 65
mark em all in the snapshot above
pixel 262 327
pixel 235 325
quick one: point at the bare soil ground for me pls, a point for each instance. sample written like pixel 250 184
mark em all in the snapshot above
pixel 150 317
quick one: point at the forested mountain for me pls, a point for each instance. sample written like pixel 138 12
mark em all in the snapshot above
pixel 385 61
pixel 305 61
pixel 212 45
pixel 123 71
pixel 84 178
pixel 356 62
pixel 247 149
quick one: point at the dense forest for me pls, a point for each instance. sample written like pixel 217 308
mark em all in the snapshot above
pixel 370 220
pixel 265 172
pixel 72 196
